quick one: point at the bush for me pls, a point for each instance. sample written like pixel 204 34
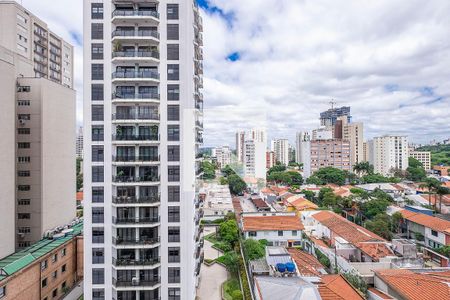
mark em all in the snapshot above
pixel 236 295
pixel 254 249
pixel 229 232
pixel 224 247
pixel 246 289
pixel 230 289
pixel 323 259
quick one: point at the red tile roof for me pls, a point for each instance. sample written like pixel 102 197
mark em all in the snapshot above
pixel 335 287
pixel 342 227
pixel 306 263
pixel 271 223
pixel 375 250
pixel 259 203
pixel 380 294
pixel 431 285
pixel 427 221
pixel 79 196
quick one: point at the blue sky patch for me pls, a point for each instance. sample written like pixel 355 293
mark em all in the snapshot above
pixel 391 87
pixel 76 37
pixel 228 17
pixel 426 91
pixel 235 56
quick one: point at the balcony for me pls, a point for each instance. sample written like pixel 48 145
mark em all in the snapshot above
pixel 141 97
pixel 126 56
pixel 126 262
pixel 129 241
pixel 135 35
pixel 141 220
pixel 136 283
pixel 127 14
pixel 131 137
pixel 140 76
pixel 130 179
pixel 136 200
pixel 136 158
pixel 133 117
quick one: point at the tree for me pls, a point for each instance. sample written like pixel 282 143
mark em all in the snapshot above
pixel 254 249
pixel 331 175
pixel 432 185
pixel 227 171
pixel 380 225
pixel 231 260
pixel 79 174
pixel 308 194
pixel 296 177
pixel 415 170
pixel 280 177
pixel 441 191
pixel 223 181
pixel 374 207
pixel 396 219
pixel 363 167
pixel 314 180
pixel 236 184
pixel 229 232
pixel 276 168
pixel 208 169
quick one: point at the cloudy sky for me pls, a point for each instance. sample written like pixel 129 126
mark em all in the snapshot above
pixel 278 63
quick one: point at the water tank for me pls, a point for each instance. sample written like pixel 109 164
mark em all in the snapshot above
pixel 290 267
pixel 281 267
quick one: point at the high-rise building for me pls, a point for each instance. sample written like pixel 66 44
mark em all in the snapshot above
pixel 258 134
pixel 354 133
pixel 255 159
pixel 223 156
pixel 323 133
pixel 301 139
pixel 329 117
pixel 270 159
pixel 38 128
pixel 365 151
pixel 143 108
pixel 329 153
pixel 423 157
pixel 240 140
pixel 388 153
pixel 80 142
pixel 281 149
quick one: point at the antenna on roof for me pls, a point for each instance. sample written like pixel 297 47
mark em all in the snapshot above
pixel 332 102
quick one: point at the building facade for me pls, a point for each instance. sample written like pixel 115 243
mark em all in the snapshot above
pixel 270 159
pixel 38 131
pixel 354 133
pixel 223 156
pixel 255 159
pixel 79 143
pixel 240 140
pixel 330 116
pixel 387 153
pixel 424 157
pixel 281 149
pixel 143 75
pixel 330 153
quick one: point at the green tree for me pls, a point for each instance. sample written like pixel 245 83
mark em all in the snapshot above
pixel 308 194
pixel 79 174
pixel 254 249
pixel 296 178
pixel 231 260
pixel 331 175
pixel 363 167
pixel 208 169
pixel 396 220
pixel 236 184
pixel 381 225
pixel 441 191
pixel 236 295
pixel 229 232
pixel 432 185
pixel 227 171
pixel 276 168
pixel 223 181
pixel 314 180
pixel 280 178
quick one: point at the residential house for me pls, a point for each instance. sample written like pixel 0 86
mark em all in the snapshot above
pixel 298 203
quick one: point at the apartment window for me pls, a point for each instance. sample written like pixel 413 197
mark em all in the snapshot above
pixel 97 92
pixel 174 275
pixel 23 131
pixel 55 293
pixel 252 233
pixel 173 153
pixel 97 31
pixel 174 234
pixel 294 232
pixel 23 89
pixel 23 145
pixel 55 258
pixel 21 18
pixel 44 283
pixel 23 102
pixel 24 230
pixel 173 92
pixel 25 117
pixel 98 235
pixel 173 72
pixel 97 51
pixel 98 294
pixel 97 153
pixel 172 11
pixel 97 133
pixel 22 48
pixel 173 173
pixel 98 255
pixel 23 173
pixel 23 187
pixel 97 112
pixel 97 215
pixel 97 71
pixel 2 291
pixel 173 193
pixel 43 265
pixel 63 285
pixel 98 276
pixel 173 132
pixel 97 11
pixel 173 51
pixel 280 232
pixel 24 202
pixel 174 254
pixel 21 38
pixel 434 233
pixel 63 252
pixel 174 213
pixel 174 294
pixel 173 32
pixel 97 174
pixel 98 194
pixel 63 268
pixel 23 159
pixel 24 244
pixel 23 216
pixel 55 274
pixel 173 112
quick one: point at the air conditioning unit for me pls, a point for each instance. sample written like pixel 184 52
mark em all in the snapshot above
pixel 135 281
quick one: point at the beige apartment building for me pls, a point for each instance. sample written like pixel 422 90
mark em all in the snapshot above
pixel 424 157
pixel 388 153
pixel 354 133
pixel 38 129
pixel 330 153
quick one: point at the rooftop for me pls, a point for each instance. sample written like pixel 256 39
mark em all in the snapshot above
pixel 335 287
pixel 427 221
pixel 433 285
pixel 376 250
pixel 271 223
pixel 285 288
pixel 307 264
pixel 21 259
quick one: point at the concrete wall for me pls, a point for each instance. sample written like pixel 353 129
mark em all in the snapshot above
pixel 272 236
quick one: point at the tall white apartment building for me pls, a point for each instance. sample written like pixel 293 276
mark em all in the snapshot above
pixel 423 156
pixel 281 149
pixel 300 139
pixel 142 130
pixel 240 140
pixel 354 133
pixel 258 134
pixel 79 143
pixel 255 159
pixel 37 121
pixel 387 153
pixel 223 156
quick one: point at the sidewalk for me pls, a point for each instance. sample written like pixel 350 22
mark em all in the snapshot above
pixel 76 292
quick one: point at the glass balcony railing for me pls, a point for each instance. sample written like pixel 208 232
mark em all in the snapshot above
pixel 135 33
pixel 140 220
pixel 132 137
pixel 137 54
pixel 136 200
pixel 135 116
pixel 118 262
pixel 140 282
pixel 143 240
pixel 135 158
pixel 135 96
pixel 135 13
pixel 125 179
pixel 135 75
